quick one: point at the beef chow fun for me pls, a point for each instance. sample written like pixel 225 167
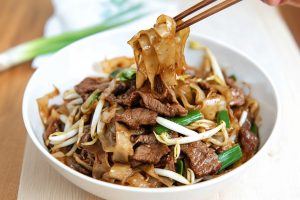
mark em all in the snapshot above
pixel 154 121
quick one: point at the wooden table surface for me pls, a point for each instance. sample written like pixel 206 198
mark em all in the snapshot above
pixel 22 20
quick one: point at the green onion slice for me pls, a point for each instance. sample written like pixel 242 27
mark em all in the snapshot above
pixel 254 128
pixel 179 167
pixel 230 156
pixel 184 121
pixel 223 116
pixel 124 74
pixel 233 77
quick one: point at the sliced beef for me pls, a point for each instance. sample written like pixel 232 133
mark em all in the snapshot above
pixel 146 139
pixel 121 87
pixel 124 94
pixel 90 84
pixel 87 157
pixel 203 160
pixel 150 153
pixel 238 96
pixel 163 92
pixel 170 163
pixel 71 162
pixel 135 163
pixel 249 141
pixel 167 162
pixel 86 136
pixel 54 126
pixel 137 117
pixel 165 109
pixel 129 98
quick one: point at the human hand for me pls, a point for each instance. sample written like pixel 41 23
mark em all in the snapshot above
pixel 281 2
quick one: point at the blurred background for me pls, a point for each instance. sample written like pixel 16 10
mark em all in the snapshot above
pixel 24 20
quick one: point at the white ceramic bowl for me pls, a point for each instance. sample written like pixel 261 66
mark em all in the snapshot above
pixel 75 62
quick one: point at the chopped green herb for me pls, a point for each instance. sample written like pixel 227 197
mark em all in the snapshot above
pixel 115 73
pixel 230 156
pixel 254 128
pixel 223 116
pixel 179 167
pixel 93 100
pixel 126 74
pixel 233 77
pixel 184 121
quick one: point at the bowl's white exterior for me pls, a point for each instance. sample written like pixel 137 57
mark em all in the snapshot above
pixel 73 63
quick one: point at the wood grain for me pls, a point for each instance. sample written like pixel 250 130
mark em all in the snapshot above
pixel 20 20
pixel 56 186
pixel 292 18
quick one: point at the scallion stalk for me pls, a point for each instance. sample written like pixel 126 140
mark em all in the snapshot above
pixel 45 45
pixel 115 73
pixel 254 128
pixel 184 121
pixel 93 100
pixel 124 74
pixel 223 116
pixel 230 156
pixel 233 77
pixel 179 167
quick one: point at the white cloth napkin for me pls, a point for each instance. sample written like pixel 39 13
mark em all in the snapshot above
pixel 70 15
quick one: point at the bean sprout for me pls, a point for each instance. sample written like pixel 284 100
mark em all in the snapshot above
pixel 172 175
pixel 165 137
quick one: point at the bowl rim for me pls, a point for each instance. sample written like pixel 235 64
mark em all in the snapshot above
pixel 200 185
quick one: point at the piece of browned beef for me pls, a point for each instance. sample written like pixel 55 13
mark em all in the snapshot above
pixel 137 117
pixel 129 98
pixel 124 94
pixel 238 96
pixel 203 160
pixel 167 162
pixel 165 109
pixel 146 139
pixel 86 137
pixel 150 153
pixel 71 162
pixel 249 141
pixel 90 84
pixel 54 126
pixel 163 91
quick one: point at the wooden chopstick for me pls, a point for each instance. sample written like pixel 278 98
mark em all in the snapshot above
pixel 203 15
pixel 193 9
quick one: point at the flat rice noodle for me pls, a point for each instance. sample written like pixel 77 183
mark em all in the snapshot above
pixel 138 180
pixel 43 104
pixel 101 164
pixel 111 87
pixel 124 147
pixel 149 169
pixel 199 94
pixel 107 178
pixel 110 65
pixel 107 137
pixel 224 90
pixel 185 90
pixel 159 50
pixel 212 104
pixel 109 113
pixel 120 172
pixel 150 58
